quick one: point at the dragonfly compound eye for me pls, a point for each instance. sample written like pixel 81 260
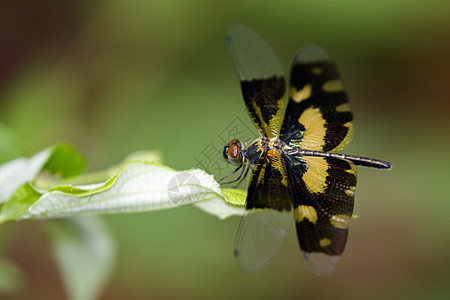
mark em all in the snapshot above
pixel 232 152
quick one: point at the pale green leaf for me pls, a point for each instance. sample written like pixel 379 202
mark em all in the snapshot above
pixel 137 186
pixel 61 160
pixel 17 191
pixel 218 207
pixel 65 161
pixel 18 204
pixel 235 196
pixel 85 253
pixel 17 172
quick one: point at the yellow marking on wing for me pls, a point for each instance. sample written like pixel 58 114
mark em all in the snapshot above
pixel 274 125
pixel 325 242
pixel 314 123
pixel 275 161
pixel 353 168
pixel 316 71
pixel 261 174
pixel 302 94
pixel 350 191
pixel 305 212
pixel 344 107
pixel 316 174
pixel 258 113
pixel 260 179
pixel 333 86
pixel 340 221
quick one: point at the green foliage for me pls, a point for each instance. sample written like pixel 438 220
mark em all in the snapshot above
pixel 136 185
pixel 82 246
pixel 114 76
pixel 19 203
pixel 235 196
pixel 65 161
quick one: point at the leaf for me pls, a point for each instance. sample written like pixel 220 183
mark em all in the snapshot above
pixel 17 172
pixel 17 191
pixel 219 208
pixel 84 251
pixel 235 196
pixel 65 161
pixel 19 203
pixel 60 159
pixel 138 185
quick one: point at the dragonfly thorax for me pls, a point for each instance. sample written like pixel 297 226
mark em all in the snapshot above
pixel 254 151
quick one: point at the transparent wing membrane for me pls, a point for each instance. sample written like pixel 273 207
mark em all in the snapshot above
pixel 261 233
pixel 252 57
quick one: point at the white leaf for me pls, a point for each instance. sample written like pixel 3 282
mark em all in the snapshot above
pixel 220 208
pixel 138 186
pixel 85 253
pixel 19 171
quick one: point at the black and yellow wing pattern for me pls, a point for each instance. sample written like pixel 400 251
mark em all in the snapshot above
pixel 296 168
pixel 262 78
pixel 322 191
pixel 269 208
pixel 268 214
pixel 318 115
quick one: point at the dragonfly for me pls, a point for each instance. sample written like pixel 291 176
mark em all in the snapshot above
pixel 297 172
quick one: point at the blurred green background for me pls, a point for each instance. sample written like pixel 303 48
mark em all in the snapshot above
pixel 111 77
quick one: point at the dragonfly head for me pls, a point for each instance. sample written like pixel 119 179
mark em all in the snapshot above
pixel 232 152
